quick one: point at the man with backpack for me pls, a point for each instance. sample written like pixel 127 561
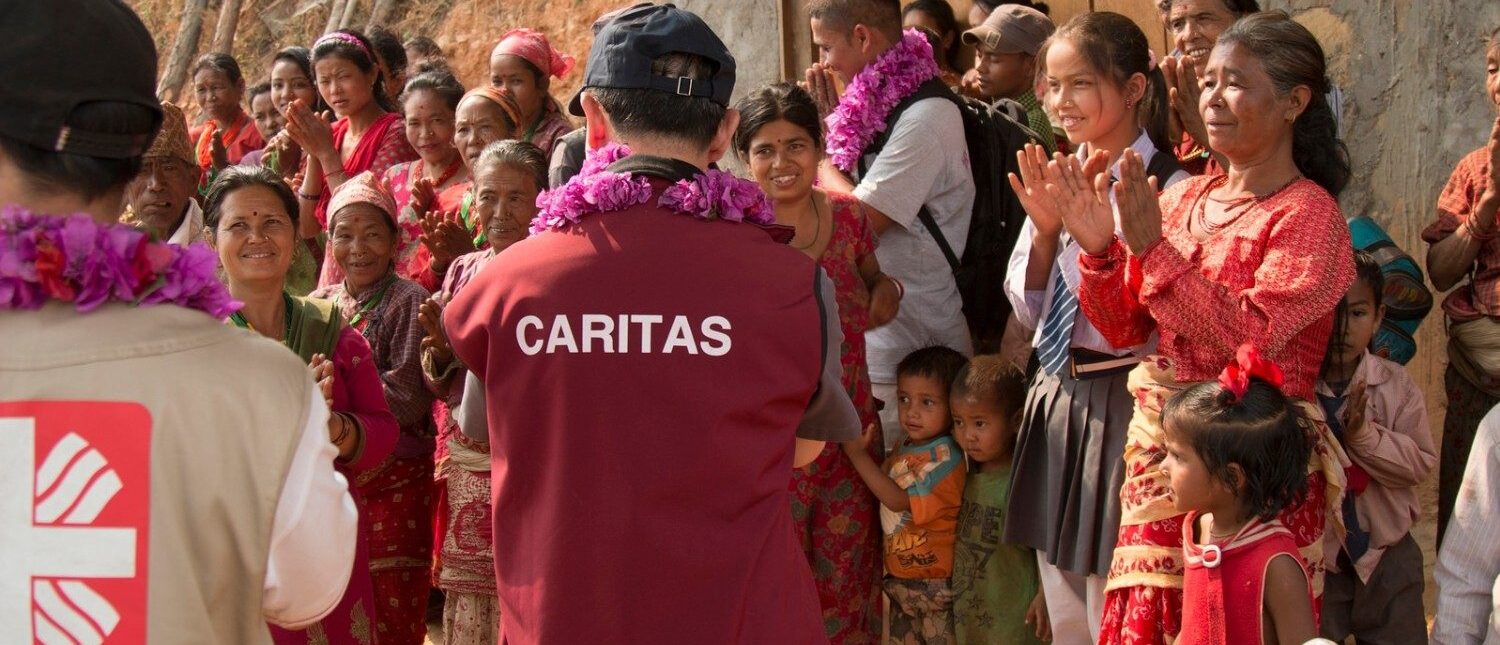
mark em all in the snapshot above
pixel 929 167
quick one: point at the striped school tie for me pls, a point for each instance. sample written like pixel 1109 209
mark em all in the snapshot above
pixel 1057 328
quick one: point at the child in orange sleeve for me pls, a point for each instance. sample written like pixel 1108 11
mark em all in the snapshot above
pixel 920 490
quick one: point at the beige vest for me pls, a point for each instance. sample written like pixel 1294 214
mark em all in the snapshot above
pixel 226 409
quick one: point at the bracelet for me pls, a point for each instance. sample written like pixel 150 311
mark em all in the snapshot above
pixel 343 428
pixel 900 288
pixel 308 198
pixel 1476 235
pixel 339 171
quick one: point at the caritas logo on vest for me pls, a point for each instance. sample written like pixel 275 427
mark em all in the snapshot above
pixel 75 491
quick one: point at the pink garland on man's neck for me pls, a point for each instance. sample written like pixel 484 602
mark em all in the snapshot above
pixel 712 194
pixel 874 92
pixel 78 260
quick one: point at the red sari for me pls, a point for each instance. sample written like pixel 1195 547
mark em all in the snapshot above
pixel 357 391
pixel 1271 277
pixel 833 512
pixel 382 146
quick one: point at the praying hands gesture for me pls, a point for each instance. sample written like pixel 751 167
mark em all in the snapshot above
pixel 1140 212
pixel 446 238
pixel 820 84
pixel 430 316
pixel 1484 221
pixel 322 370
pixel 1354 410
pixel 312 132
pixel 219 153
pixel 285 151
pixel 1185 91
pixel 423 195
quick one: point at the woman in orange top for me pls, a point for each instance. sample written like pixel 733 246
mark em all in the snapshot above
pixel 228 134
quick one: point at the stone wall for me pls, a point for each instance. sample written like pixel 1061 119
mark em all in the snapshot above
pixel 1414 104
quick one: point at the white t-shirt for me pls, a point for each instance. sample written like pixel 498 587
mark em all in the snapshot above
pixel 925 161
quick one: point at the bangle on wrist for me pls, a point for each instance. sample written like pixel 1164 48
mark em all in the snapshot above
pixel 338 171
pixel 343 428
pixel 1474 232
pixel 308 198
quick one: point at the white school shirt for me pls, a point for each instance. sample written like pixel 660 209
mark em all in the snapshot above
pixel 1031 306
pixel 924 162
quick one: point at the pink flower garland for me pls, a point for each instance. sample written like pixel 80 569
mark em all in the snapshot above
pixel 713 194
pixel 76 259
pixel 873 93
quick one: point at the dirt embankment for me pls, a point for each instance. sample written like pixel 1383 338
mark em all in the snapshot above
pixel 466 29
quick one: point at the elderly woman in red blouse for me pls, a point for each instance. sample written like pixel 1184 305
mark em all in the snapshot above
pixel 1259 255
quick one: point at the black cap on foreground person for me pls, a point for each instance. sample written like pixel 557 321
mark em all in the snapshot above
pixel 74 119
pixel 676 362
pixel 210 444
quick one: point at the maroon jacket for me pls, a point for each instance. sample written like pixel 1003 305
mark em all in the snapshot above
pixel 645 375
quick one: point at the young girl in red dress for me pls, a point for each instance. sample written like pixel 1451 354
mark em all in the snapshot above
pixel 1236 458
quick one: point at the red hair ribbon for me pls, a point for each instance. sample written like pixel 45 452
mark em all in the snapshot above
pixel 1248 364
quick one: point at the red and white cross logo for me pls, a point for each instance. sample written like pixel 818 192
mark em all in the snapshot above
pixel 75 511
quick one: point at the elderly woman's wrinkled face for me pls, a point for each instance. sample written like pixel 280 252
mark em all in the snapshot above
pixel 364 245
pixel 1245 113
pixel 218 95
pixel 478 123
pixel 255 236
pixel 504 203
pixel 160 193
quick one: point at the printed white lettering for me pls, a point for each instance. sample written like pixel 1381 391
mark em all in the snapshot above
pixel 562 336
pixel 645 321
pixel 680 336
pixel 527 347
pixel 601 328
pixel 612 334
pixel 716 328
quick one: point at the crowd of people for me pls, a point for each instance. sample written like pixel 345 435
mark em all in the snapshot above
pixel 527 398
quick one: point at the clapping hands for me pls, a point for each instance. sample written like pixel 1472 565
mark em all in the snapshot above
pixel 445 237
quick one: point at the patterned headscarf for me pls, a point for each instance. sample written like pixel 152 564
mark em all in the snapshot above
pixel 172 140
pixel 501 97
pixel 363 188
pixel 533 47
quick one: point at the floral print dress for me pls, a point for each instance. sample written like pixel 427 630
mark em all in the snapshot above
pixel 834 512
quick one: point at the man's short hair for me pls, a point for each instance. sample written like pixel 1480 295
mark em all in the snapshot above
pixel 651 113
pixel 842 15
pixel 82 175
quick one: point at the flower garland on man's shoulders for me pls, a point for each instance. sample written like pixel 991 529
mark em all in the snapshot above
pixel 712 194
pixel 873 93
pixel 79 260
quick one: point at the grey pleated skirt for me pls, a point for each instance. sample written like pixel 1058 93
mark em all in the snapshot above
pixel 1069 466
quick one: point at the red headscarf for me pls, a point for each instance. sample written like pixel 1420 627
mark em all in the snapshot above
pixel 532 46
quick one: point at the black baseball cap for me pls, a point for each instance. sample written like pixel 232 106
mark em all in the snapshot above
pixel 624 49
pixel 61 54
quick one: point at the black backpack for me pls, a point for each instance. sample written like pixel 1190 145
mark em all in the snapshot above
pixel 993 137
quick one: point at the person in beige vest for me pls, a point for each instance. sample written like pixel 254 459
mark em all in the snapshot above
pixel 164 478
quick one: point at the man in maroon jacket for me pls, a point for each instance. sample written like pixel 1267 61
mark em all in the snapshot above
pixel 652 377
